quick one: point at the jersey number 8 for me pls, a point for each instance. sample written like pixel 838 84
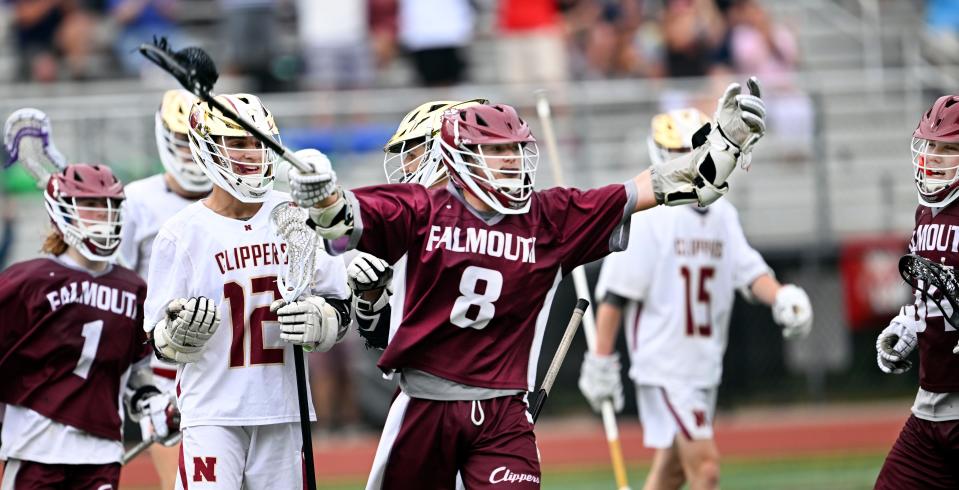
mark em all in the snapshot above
pixel 479 288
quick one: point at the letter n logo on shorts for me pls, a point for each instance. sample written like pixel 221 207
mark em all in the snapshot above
pixel 700 417
pixel 204 469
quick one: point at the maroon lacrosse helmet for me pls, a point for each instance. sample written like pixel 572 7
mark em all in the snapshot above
pixel 935 153
pixel 93 230
pixel 502 178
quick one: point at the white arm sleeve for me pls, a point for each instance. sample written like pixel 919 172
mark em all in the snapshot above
pixel 170 269
pixel 629 273
pixel 749 264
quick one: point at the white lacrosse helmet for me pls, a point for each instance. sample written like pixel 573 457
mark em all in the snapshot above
pixel 94 231
pixel 412 155
pixel 172 130
pixel 672 133
pixel 472 141
pixel 228 154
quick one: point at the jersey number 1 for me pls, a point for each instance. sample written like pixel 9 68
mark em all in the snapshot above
pixel 702 296
pixel 236 295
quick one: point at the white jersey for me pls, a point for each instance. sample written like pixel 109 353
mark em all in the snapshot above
pixel 245 375
pixel 680 271
pixel 149 203
pixel 29 436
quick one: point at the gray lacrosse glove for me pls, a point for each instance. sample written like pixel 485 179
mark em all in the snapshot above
pixel 188 326
pixel 793 311
pixel 899 339
pixel 599 380
pixel 309 188
pixel 700 176
pixel 311 323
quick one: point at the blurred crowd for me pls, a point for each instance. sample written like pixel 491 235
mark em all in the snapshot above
pixel 292 44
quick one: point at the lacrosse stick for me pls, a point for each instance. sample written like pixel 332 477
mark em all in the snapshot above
pixel 28 138
pixel 559 356
pixel 298 264
pixel 197 73
pixel 935 281
pixel 582 290
pixel 145 444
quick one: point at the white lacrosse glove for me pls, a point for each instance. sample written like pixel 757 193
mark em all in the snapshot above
pixel 188 326
pixel 792 311
pixel 700 176
pixel 369 273
pixel 309 322
pixel 899 339
pixel 157 414
pixel 599 380
pixel 740 118
pixel 309 188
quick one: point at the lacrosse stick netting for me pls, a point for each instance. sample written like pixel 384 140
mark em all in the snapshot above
pixel 298 258
pixel 28 138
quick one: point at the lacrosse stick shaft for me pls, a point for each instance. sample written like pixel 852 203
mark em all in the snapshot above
pixel 181 73
pixel 557 362
pixel 136 450
pixel 610 427
pixel 300 365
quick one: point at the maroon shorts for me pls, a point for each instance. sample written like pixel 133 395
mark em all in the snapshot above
pixel 925 456
pixel 425 443
pixel 28 475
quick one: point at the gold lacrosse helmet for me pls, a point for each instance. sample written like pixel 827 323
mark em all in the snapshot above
pixel 672 133
pixel 411 155
pixel 228 154
pixel 172 128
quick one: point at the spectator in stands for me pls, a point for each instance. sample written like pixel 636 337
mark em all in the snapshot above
pixel 50 31
pixel 335 42
pixel 607 32
pixel 531 42
pixel 250 34
pixel 137 22
pixel 435 33
pixel 758 46
pixel 692 31
pixel 383 27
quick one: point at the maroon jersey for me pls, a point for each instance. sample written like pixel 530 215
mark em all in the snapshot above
pixel 936 238
pixel 66 339
pixel 475 293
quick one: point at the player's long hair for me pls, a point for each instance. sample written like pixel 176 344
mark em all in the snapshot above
pixel 54 243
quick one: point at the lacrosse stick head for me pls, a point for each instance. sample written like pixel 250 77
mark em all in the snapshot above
pixel 298 257
pixel 191 66
pixel 935 281
pixel 28 138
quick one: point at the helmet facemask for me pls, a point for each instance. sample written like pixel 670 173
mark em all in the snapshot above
pixel 91 225
pixel 502 175
pixel 231 156
pixel 172 125
pixel 936 171
pixel 415 161
pixel 174 149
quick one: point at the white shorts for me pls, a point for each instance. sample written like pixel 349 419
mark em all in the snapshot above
pixel 668 412
pixel 251 457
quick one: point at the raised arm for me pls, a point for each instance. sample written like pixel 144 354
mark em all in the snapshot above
pixel 700 176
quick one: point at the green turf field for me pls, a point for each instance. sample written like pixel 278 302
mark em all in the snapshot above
pixel 846 472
